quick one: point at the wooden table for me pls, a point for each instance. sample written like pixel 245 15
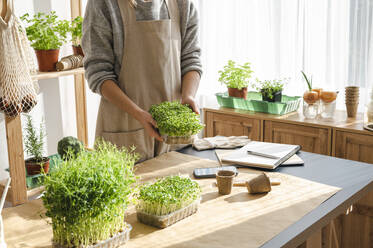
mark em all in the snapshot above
pixel 327 225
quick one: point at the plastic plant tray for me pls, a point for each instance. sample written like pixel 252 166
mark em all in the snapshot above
pixel 167 220
pixel 254 103
pixel 174 140
pixel 113 242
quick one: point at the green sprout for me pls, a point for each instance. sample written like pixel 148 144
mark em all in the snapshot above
pixel 175 119
pixel 86 196
pixel 308 81
pixel 235 76
pixel 76 30
pixel 168 195
pixel 270 87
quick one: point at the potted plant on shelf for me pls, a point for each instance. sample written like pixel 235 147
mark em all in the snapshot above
pixel 34 147
pixel 271 90
pixel 46 34
pixel 236 78
pixel 167 201
pixel 86 197
pixel 176 121
pixel 76 35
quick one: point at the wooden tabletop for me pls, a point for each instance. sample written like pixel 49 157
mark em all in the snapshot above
pixel 339 121
pixel 354 178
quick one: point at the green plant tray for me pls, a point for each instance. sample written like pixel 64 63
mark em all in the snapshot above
pixel 37 180
pixel 254 103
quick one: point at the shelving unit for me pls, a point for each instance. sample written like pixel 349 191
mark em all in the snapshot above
pixel 18 193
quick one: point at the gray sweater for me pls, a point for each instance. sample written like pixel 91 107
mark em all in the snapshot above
pixel 103 37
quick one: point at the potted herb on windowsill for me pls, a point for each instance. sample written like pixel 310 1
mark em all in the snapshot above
pixel 46 34
pixel 34 146
pixel 176 121
pixel 236 78
pixel 271 90
pixel 76 35
pixel 86 197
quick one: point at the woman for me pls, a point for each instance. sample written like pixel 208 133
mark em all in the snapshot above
pixel 139 53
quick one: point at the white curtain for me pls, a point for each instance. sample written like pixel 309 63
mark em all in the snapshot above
pixel 328 39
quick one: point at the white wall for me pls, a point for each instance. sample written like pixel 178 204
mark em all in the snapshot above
pixel 56 101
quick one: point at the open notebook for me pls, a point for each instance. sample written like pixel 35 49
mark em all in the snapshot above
pixel 281 151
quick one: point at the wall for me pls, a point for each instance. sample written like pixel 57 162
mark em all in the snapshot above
pixel 56 100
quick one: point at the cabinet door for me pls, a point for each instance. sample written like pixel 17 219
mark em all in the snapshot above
pixel 312 139
pixel 230 125
pixel 354 146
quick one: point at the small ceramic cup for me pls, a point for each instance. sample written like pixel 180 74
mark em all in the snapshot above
pixel 224 180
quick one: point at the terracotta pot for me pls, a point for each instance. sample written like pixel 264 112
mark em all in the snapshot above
pixel 277 96
pixel 47 59
pixel 34 168
pixel 78 50
pixel 242 93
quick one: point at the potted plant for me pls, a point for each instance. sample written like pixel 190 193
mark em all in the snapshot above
pixel 236 78
pixel 34 147
pixel 176 121
pixel 46 34
pixel 76 35
pixel 271 90
pixel 86 197
pixel 167 201
pixel 69 146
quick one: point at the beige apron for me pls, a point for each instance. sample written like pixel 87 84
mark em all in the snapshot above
pixel 150 74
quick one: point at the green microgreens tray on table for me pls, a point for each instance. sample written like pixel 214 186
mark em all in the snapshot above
pixel 176 121
pixel 167 201
pixel 86 197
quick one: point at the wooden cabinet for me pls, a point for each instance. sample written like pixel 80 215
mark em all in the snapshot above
pixel 312 139
pixel 354 146
pixel 230 125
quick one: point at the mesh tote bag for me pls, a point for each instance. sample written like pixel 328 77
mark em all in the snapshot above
pixel 18 93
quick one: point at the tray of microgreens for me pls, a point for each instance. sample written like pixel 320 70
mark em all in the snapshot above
pixel 176 122
pixel 86 197
pixel 167 201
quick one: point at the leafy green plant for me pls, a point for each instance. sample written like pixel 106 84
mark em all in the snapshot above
pixel 270 87
pixel 308 81
pixel 34 142
pixel 86 197
pixel 167 195
pixel 76 30
pixel 235 76
pixel 69 146
pixel 45 31
pixel 175 119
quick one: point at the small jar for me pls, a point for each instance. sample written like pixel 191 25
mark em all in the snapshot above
pixel 310 111
pixel 328 109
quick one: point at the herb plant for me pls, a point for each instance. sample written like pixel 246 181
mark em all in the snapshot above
pixel 168 195
pixel 34 142
pixel 45 31
pixel 86 196
pixel 69 146
pixel 270 87
pixel 175 119
pixel 308 81
pixel 76 30
pixel 235 76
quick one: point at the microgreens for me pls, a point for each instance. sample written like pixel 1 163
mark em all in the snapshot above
pixel 175 119
pixel 167 195
pixel 86 196
pixel 270 87
pixel 235 76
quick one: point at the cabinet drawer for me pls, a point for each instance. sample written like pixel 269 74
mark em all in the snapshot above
pixel 230 125
pixel 312 139
pixel 354 146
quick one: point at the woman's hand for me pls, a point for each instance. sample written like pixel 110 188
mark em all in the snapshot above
pixel 149 125
pixel 191 102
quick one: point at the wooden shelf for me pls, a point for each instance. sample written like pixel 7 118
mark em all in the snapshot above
pixel 56 74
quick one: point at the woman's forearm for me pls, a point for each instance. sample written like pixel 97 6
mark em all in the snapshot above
pixel 190 84
pixel 111 91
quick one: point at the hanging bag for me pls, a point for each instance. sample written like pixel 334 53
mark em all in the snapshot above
pixel 17 90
